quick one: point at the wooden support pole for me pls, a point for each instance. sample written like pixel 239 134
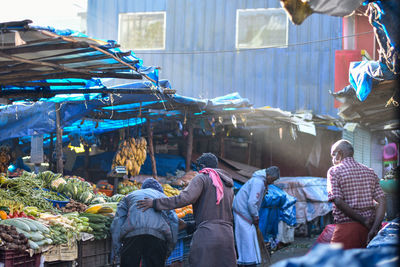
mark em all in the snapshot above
pixel 86 164
pixel 248 156
pixel 60 162
pixel 222 145
pixel 189 146
pixel 151 149
pixel 51 165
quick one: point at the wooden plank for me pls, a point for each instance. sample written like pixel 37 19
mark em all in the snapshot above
pixel 15 24
pixel 60 162
pixel 189 148
pixel 43 93
pixel 66 75
pixel 49 84
pixel 51 165
pixel 151 148
pixel 43 47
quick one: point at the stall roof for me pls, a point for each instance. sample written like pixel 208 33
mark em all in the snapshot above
pixel 40 62
pixel 105 113
pixel 378 112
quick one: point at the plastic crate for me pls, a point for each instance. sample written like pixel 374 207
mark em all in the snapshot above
pixel 188 217
pixel 94 253
pixel 13 258
pixel 186 246
pixel 107 192
pixel 177 253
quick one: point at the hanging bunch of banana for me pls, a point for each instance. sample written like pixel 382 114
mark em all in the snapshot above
pixel 131 153
pixel 5 158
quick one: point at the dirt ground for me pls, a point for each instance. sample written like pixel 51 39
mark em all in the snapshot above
pixel 298 248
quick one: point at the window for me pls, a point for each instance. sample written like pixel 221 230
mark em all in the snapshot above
pixel 259 28
pixel 142 31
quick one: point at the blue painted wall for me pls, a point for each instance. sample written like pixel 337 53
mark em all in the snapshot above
pixel 293 78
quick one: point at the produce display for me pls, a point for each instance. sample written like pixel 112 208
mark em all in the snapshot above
pixel 75 188
pixel 28 219
pixel 74 206
pixel 131 153
pixel 169 191
pixel 5 158
pixel 54 195
pixel 24 191
pixel 182 212
pixel 103 208
pixel 183 178
pixel 126 186
pixel 63 228
pixel 100 224
pixel 36 233
pixel 11 239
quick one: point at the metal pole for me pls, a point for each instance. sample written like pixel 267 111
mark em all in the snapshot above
pixel 60 163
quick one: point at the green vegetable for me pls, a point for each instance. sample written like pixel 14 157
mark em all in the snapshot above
pixel 31 225
pixel 33 245
pixel 26 234
pixel 39 225
pixel 43 242
pixel 17 223
pixel 36 236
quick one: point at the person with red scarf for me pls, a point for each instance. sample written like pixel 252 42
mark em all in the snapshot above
pixel 211 194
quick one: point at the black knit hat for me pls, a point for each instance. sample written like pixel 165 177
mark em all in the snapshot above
pixel 207 160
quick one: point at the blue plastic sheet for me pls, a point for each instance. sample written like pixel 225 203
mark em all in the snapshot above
pixel 269 219
pixel 165 164
pixel 277 205
pixel 332 256
pixel 387 236
pixel 25 119
pixel 362 74
pixel 22 120
pixel 288 211
pixel 384 17
pixel 100 161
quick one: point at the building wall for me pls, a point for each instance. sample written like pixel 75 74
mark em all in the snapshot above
pixel 293 78
pixel 377 154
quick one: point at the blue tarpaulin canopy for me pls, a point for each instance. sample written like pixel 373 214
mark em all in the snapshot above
pixel 97 113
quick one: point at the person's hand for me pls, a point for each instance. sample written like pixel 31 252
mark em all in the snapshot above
pixel 182 224
pixel 372 233
pixel 256 220
pixel 144 204
pixel 368 223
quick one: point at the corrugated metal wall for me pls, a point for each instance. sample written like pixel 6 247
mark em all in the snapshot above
pixel 293 78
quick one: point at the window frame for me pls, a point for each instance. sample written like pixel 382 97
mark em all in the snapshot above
pixel 144 13
pixel 259 9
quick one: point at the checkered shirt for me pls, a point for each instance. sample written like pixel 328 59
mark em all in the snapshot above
pixel 357 185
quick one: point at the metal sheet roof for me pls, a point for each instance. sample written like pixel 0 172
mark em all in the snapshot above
pixel 380 111
pixel 43 61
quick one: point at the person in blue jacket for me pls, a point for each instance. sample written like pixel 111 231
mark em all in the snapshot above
pixel 148 236
pixel 246 205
